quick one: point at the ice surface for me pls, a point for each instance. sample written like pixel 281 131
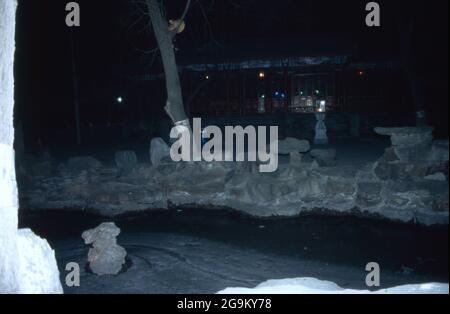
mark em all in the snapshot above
pixel 169 263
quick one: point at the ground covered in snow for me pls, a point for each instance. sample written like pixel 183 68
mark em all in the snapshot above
pixel 315 286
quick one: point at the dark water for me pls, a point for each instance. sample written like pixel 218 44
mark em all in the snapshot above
pixel 341 240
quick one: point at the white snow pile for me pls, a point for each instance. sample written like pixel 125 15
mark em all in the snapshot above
pixel 37 269
pixel 316 286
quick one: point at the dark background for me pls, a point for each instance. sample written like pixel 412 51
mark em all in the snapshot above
pixel 114 34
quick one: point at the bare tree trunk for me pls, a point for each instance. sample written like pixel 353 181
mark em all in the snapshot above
pixel 198 89
pixel 174 106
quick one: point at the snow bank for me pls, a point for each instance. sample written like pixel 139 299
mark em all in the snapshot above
pixel 37 269
pixel 316 286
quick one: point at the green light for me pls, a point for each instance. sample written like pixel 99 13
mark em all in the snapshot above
pixel 317 91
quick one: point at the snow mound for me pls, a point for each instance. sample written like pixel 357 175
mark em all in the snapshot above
pixel 37 269
pixel 316 286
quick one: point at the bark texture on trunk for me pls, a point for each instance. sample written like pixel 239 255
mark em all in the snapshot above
pixel 174 106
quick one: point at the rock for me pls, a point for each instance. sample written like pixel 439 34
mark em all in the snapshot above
pixel 417 153
pixel 324 157
pixel 440 205
pixel 37 269
pixel 413 155
pixel 295 158
pixel 293 145
pixel 290 145
pixel 126 161
pixel 167 169
pixel 313 186
pixel 366 174
pixel 439 152
pixel 341 186
pixel 407 136
pixel 411 143
pixel 400 170
pixel 369 194
pixel 438 167
pixel 260 190
pixel 159 151
pixel 79 164
pixel 397 200
pixel 403 196
pixel 436 177
pixel 403 171
pixel 106 257
pixel 390 155
pixel 382 170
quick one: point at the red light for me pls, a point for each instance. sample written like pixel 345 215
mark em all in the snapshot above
pixel 361 73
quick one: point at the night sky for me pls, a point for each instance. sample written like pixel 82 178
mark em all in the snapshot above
pixel 114 35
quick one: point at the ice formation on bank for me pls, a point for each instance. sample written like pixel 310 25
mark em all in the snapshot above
pixel 316 286
pixel 409 183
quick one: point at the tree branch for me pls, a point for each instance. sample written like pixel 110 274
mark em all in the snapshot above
pixel 186 10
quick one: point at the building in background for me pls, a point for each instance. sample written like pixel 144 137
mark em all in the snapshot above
pixel 298 84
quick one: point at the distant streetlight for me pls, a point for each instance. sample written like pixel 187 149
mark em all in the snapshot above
pixel 119 100
pixel 262 75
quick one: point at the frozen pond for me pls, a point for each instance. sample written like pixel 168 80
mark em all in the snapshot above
pixel 195 251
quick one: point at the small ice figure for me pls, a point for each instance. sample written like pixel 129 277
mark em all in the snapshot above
pixel 105 257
